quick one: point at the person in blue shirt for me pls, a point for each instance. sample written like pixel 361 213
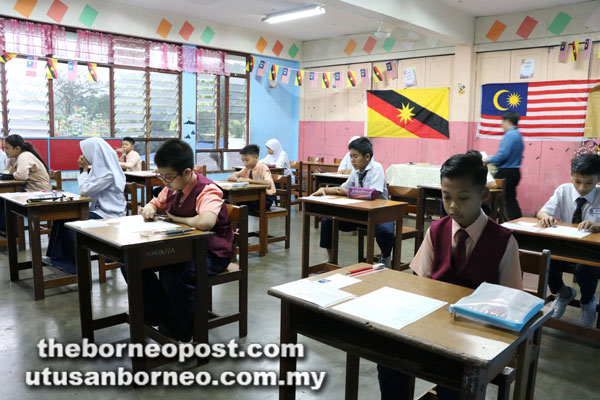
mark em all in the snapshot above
pixel 508 160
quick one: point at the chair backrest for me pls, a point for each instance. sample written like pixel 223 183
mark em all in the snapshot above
pixel 407 194
pixel 536 263
pixel 143 165
pixel 316 159
pixel 200 169
pixel 499 183
pixel 238 216
pixel 131 197
pixel 56 176
pixel 284 191
pixel 337 161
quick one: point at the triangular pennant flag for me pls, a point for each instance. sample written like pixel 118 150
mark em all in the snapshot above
pixel 6 57
pixel 250 64
pixel 52 68
pixel 392 72
pixel 351 79
pixel 273 73
pixel 378 76
pixel 364 76
pixel 312 79
pixel 31 66
pixel 262 68
pixel 326 80
pixel 93 72
pixel 299 78
pixel 562 55
pixel 575 50
pixel 285 75
pixel 587 49
pixel 72 70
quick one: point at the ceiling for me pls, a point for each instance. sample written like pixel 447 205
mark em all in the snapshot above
pixel 480 8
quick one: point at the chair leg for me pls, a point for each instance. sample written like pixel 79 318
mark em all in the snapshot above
pixel 102 269
pixel 361 246
pixel 288 223
pixel 243 304
pixel 210 298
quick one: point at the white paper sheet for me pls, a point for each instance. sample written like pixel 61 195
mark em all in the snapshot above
pixel 333 200
pixel 338 281
pixel 565 231
pixel 314 292
pixel 523 226
pixel 148 226
pixel 91 223
pixel 391 307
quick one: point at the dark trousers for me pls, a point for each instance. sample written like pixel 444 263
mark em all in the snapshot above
pixel 511 177
pixel 587 278
pixel 384 234
pixel 170 297
pixel 61 245
pixel 254 206
pixel 395 385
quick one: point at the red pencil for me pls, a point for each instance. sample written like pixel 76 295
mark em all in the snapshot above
pixel 358 270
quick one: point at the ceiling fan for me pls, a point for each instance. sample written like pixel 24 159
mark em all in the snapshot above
pixel 383 33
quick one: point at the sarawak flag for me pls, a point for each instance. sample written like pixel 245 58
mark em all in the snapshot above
pixel 52 68
pixel 410 113
pixel 6 57
pixel 377 73
pixel 575 50
pixel 299 78
pixel 92 72
pixel 554 110
pixel 326 80
pixel 273 73
pixel 285 75
pixel 351 79
pixel 250 64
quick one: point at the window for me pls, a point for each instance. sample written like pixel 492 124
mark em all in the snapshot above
pixel 81 106
pixel 164 105
pixel 130 103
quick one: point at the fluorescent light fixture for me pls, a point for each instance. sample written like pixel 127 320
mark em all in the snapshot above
pixel 304 12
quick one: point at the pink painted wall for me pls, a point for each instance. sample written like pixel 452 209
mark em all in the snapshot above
pixel 545 166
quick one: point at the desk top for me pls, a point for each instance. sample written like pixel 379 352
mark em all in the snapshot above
pixel 20 198
pixel 592 238
pixel 11 182
pixel 226 186
pixel 124 232
pixel 458 338
pixel 322 164
pixel 141 174
pixel 331 175
pixel 355 204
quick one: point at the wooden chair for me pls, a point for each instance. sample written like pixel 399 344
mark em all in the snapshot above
pixel 337 161
pixel 131 208
pixel 284 192
pixel 143 165
pixel 316 159
pixel 297 189
pixel 200 169
pixel 496 203
pixel 56 180
pixel 234 273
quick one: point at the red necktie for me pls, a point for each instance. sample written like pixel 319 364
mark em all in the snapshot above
pixel 250 175
pixel 459 253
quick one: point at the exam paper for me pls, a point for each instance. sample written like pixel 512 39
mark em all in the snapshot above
pixel 523 226
pixel 333 200
pixel 148 226
pixel 565 231
pixel 338 281
pixel 391 307
pixel 314 292
pixel 91 223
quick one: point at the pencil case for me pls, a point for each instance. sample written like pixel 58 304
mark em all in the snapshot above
pixel 272 165
pixel 499 306
pixel 362 193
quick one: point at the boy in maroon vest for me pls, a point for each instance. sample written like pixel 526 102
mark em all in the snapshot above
pixel 192 199
pixel 465 248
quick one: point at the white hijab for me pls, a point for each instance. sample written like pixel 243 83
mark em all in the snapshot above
pixel 274 145
pixel 353 138
pixel 103 159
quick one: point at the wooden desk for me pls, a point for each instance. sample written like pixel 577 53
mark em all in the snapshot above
pixel 17 205
pixel 146 178
pixel 462 354
pixel 584 250
pixel 369 213
pixel 252 192
pixel 314 167
pixel 274 170
pixel 13 186
pixel 320 179
pixel 118 242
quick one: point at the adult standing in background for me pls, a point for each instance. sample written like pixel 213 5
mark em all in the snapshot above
pixel 508 161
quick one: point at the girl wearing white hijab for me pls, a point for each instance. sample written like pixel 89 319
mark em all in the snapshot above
pixel 105 184
pixel 346 165
pixel 277 156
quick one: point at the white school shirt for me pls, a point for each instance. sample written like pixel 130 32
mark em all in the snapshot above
pixel 374 179
pixel 563 203
pixel 3 159
pixel 346 163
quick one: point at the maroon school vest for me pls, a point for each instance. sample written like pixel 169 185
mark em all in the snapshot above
pixel 220 245
pixel 483 264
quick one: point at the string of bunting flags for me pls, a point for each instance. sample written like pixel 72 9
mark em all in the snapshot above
pixel 323 79
pixel 52 67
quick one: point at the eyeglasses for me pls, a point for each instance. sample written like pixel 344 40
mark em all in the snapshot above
pixel 165 178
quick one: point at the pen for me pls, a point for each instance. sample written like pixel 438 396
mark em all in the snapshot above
pixel 354 271
pixel 176 232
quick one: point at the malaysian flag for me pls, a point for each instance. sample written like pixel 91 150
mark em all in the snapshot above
pixel 549 110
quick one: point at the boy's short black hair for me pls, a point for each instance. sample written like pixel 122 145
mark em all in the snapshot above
pixel 465 166
pixel 586 164
pixel 129 139
pixel 251 150
pixel 175 154
pixel 512 117
pixel 475 153
pixel 362 145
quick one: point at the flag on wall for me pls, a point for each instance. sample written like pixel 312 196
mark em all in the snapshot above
pixel 250 64
pixel 51 68
pixel 93 72
pixel 351 79
pixel 338 82
pixel 377 73
pixel 326 80
pixel 587 49
pixel 364 76
pixel 414 113
pixel 262 68
pixel 312 80
pixel 549 110
pixel 273 73
pixel 299 78
pixel 6 57
pixel 562 54
pixel 575 50
pixel 392 71
pixel 72 70
pixel 31 66
pixel 285 75
pixel 592 114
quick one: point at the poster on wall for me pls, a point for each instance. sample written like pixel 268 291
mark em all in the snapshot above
pixel 527 68
pixel 410 77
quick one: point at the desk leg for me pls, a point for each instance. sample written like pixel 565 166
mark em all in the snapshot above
pixel 202 288
pixel 287 364
pixel 263 225
pixel 148 191
pixel 11 241
pixel 397 260
pixel 335 241
pixel 136 309
pixel 473 384
pixel 305 242
pixel 84 283
pixel 352 370
pixel 370 241
pixel 523 386
pixel 21 233
pixel 36 256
